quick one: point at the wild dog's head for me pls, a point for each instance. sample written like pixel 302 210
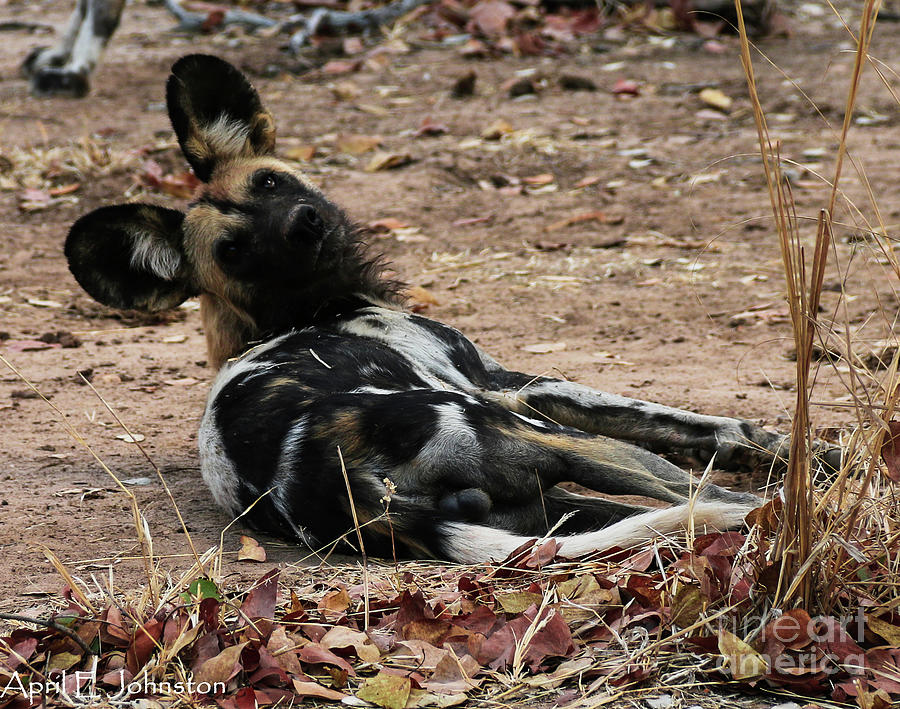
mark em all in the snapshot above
pixel 260 243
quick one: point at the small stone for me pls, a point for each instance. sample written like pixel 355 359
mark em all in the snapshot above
pixel 570 82
pixel 522 87
pixel 464 86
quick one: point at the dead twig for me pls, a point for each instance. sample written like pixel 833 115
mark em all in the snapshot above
pixel 53 625
pixel 204 21
pixel 322 20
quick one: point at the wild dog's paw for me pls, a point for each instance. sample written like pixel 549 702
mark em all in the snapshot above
pixel 39 58
pixel 748 446
pixel 741 445
pixel 59 81
pixel 829 456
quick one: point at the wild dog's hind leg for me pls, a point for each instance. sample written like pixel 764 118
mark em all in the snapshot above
pixel 64 70
pixel 615 467
pixel 736 443
pixel 471 460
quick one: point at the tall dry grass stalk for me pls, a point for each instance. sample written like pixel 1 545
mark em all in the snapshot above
pixel 803 539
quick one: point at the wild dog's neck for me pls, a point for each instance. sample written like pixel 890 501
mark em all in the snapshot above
pixel 230 330
pixel 227 334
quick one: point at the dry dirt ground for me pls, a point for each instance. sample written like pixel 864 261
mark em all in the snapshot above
pixel 675 295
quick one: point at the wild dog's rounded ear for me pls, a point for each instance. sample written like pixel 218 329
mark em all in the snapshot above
pixel 216 113
pixel 130 256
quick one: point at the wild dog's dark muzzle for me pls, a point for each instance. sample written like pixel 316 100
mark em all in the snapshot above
pixel 304 223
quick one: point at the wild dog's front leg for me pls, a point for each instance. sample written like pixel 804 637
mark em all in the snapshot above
pixel 735 443
pixel 64 70
pixel 41 59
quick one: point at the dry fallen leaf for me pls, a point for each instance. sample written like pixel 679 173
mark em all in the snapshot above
pixel 355 144
pixel 313 689
pixel 386 690
pixel 497 130
pixel 716 99
pixel 33 200
pixel 420 699
pixel 27 345
pixel 342 637
pixel 428 127
pixel 63 661
pixel 40 303
pixel 492 16
pixel 374 109
pixel 544 178
pixel 303 153
pixel 131 437
pixel 387 161
pixel 421 298
pixel 743 660
pixel 346 91
pixel 626 87
pixel 545 347
pixel 890 451
pixel 587 181
pixel 473 49
pixel 412 235
pixel 518 601
pixel 181 382
pixel 222 667
pixel 474 220
pixel 251 550
pixel 339 66
pixel 64 189
pixel 386 225
pixel 335 601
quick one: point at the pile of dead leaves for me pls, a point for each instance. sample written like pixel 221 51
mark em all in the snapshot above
pixel 418 635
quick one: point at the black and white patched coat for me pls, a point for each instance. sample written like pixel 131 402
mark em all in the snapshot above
pixel 335 408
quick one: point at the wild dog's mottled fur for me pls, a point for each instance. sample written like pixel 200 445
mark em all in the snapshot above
pixel 321 369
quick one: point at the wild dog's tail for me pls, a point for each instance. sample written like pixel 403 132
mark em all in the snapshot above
pixel 473 543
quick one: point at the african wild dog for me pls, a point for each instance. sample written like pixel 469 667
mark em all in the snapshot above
pixel 322 371
pixel 64 70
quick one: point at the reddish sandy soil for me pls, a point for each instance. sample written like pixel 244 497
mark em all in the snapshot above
pixel 645 303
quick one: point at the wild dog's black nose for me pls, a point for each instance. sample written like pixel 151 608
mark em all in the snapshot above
pixel 307 222
pixel 309 216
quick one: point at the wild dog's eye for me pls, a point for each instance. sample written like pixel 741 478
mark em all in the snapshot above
pixel 267 180
pixel 227 252
pixel 310 216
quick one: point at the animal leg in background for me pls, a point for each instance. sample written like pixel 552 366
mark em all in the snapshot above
pixel 65 69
